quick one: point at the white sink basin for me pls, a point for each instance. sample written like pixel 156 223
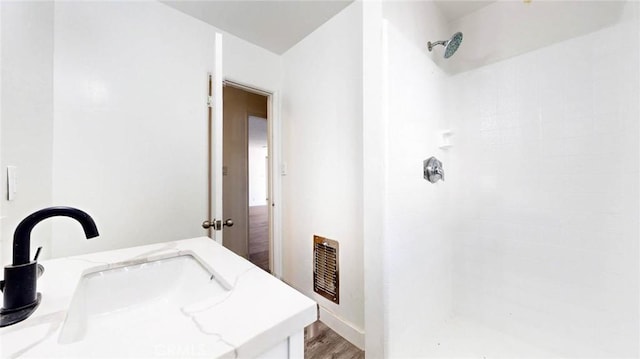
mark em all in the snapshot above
pixel 127 300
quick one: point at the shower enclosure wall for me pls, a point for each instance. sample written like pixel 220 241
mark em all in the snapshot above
pixel 530 246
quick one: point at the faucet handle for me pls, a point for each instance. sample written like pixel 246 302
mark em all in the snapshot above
pixel 35 258
pixel 40 267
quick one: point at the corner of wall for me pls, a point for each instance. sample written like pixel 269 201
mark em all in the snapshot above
pixel 373 184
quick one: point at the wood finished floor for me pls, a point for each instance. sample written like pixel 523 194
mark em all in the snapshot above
pixel 320 342
pixel 259 236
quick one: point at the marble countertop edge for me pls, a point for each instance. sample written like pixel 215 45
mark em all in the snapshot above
pixel 259 313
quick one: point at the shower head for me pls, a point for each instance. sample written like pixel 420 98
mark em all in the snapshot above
pixel 450 46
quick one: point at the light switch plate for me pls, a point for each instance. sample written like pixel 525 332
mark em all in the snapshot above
pixel 12 173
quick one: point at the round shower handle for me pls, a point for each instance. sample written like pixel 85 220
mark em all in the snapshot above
pixel 432 170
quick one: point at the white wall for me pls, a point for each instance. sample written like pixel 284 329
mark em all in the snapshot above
pixel 114 152
pixel 374 162
pixel 248 64
pixel 130 133
pixel 544 178
pixel 26 114
pixel 258 153
pixel 417 248
pixel 322 147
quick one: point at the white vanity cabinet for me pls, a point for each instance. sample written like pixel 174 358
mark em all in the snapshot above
pixel 291 348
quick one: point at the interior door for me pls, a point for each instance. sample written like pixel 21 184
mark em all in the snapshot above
pixel 215 222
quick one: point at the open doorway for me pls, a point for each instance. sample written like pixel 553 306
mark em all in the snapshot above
pixel 246 173
pixel 258 192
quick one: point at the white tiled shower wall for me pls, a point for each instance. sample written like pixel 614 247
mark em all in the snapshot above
pixel 417 248
pixel 543 178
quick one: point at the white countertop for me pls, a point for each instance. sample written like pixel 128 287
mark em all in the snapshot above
pixel 257 313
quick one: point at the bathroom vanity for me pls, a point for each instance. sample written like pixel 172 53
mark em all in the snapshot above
pixel 188 298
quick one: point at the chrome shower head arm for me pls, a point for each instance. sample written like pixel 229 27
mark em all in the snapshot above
pixel 430 44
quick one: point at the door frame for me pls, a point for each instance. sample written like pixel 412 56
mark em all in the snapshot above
pixel 274 204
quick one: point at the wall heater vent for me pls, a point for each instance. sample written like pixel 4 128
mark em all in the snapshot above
pixel 326 279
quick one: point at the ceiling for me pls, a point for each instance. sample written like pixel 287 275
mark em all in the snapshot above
pixel 273 25
pixel 277 25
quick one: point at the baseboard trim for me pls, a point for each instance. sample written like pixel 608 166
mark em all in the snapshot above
pixel 354 335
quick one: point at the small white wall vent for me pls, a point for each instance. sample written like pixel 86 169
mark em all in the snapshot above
pixel 326 279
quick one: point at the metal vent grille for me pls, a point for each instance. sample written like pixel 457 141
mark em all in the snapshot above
pixel 326 280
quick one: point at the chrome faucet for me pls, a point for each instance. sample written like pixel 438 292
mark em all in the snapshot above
pixel 20 298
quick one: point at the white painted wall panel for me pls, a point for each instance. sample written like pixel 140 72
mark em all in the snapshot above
pixel 130 133
pixel 27 117
pixel 130 141
pixel 322 146
pixel 374 160
pixel 258 153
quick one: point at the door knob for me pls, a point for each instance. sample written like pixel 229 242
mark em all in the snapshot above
pixel 217 224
